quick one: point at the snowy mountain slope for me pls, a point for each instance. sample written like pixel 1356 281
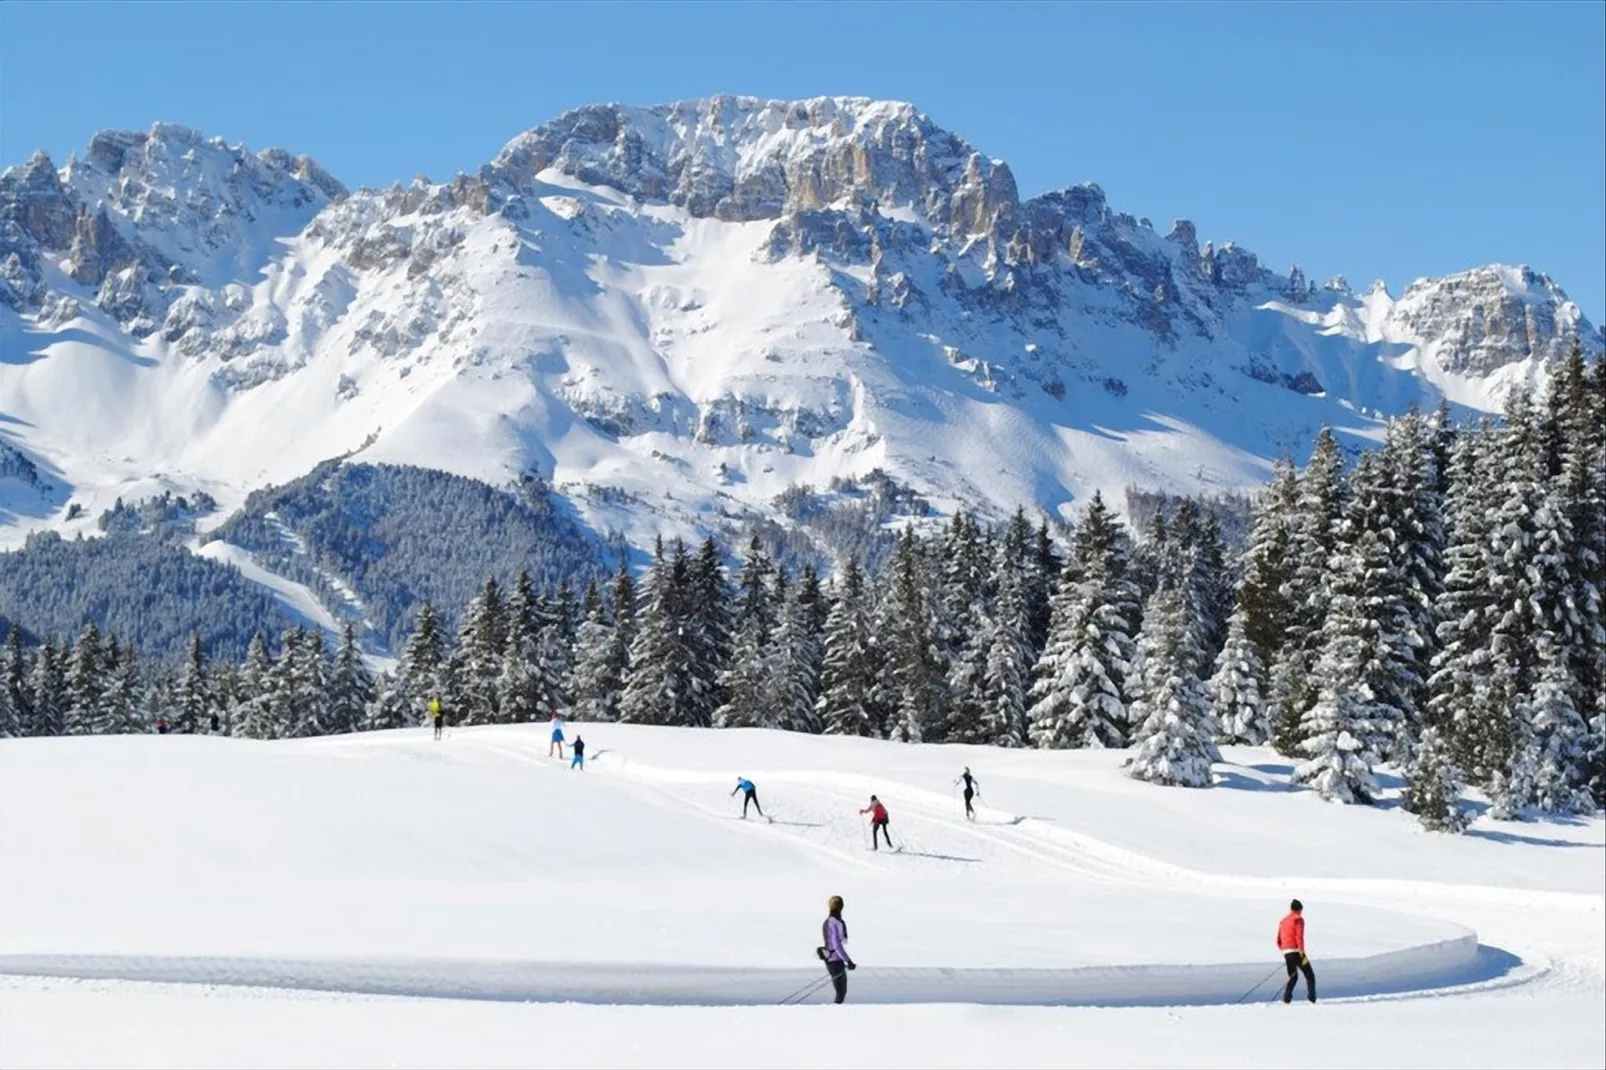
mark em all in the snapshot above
pixel 676 313
pixel 310 865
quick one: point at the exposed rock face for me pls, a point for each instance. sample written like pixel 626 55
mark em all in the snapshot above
pixel 1487 318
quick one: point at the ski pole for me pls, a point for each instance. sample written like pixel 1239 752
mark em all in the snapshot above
pixel 806 991
pixel 1262 981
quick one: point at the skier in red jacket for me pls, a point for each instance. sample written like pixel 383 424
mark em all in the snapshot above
pixel 878 822
pixel 1291 942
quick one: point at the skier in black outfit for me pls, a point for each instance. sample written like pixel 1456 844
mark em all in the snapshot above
pixel 972 788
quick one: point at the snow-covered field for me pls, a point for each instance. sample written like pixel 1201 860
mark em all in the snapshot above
pixel 384 899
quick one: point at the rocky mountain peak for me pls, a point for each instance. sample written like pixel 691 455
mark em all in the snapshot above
pixel 1484 319
pixel 743 158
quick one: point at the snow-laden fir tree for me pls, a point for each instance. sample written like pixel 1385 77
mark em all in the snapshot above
pixel 1076 698
pixel 1313 538
pixel 1236 689
pixel 391 707
pixel 847 675
pixel 1458 686
pixel 1264 604
pixel 745 683
pixel 916 692
pixel 596 680
pixel 1040 580
pixel 255 716
pixel 1510 743
pixel 120 698
pixel 1561 739
pixel 192 703
pixel 967 677
pixel 664 686
pixel 10 714
pixel 303 672
pixel 1175 741
pixel 14 682
pixel 423 673
pixel 477 662
pixel 794 665
pixel 1335 733
pixel 1417 538
pixel 84 682
pixel 1433 786
pixel 47 684
pixel 1007 674
pixel 707 630
pixel 351 686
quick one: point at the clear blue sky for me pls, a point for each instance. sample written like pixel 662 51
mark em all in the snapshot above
pixel 1373 140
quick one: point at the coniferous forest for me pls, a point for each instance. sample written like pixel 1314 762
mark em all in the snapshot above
pixel 1432 604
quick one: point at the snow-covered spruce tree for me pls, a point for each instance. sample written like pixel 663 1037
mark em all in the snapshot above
pixel 254 717
pixel 1510 784
pixel 47 685
pixel 478 658
pixel 708 630
pixel 664 686
pixel 1595 752
pixel 745 682
pixel 351 686
pixel 1433 787
pixel 1313 537
pixel 391 706
pixel 595 681
pixel 519 691
pixel 120 712
pixel 1236 689
pixel 1008 670
pixel 916 674
pixel 10 714
pixel 847 675
pixel 14 681
pixel 1417 539
pixel 191 701
pixel 85 682
pixel 423 672
pixel 1174 744
pixel 1041 578
pixel 1335 731
pixel 794 665
pixel 1076 698
pixel 1561 739
pixel 1458 686
pixel 1263 603
pixel 966 682
pixel 304 683
pixel 1385 606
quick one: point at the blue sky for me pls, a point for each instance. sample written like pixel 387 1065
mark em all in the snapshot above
pixel 1373 140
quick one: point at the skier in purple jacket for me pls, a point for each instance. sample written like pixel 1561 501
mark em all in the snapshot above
pixel 835 951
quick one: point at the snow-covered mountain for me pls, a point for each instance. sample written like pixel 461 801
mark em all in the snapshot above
pixel 676 313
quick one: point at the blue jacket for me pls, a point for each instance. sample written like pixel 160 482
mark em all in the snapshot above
pixel 744 785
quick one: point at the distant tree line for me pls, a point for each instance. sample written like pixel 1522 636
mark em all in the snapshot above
pixel 1434 605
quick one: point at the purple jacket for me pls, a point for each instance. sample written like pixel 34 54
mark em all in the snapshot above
pixel 836 935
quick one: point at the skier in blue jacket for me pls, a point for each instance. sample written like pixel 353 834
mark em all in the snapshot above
pixel 750 796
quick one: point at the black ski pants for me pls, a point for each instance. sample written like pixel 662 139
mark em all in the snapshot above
pixel 970 811
pixel 751 797
pixel 879 828
pixel 437 730
pixel 1295 963
pixel 839 978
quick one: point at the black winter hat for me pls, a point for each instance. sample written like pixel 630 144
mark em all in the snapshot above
pixel 1296 906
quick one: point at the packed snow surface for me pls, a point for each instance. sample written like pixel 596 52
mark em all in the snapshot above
pixel 387 899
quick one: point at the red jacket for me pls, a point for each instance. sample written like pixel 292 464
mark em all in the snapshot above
pixel 877 812
pixel 1291 933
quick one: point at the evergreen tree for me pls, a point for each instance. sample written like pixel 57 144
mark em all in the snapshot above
pixel 1335 730
pixel 1417 538
pixel 663 686
pixel 10 715
pixel 794 665
pixel 477 664
pixel 192 703
pixel 47 684
pixel 1458 699
pixel 391 706
pixel 303 686
pixel 1561 739
pixel 14 683
pixel 1040 581
pixel 254 717
pixel 120 701
pixel 85 683
pixel 1005 681
pixel 1077 692
pixel 423 672
pixel 1236 689
pixel 1176 731
pixel 351 686
pixel 1313 538
pixel 847 678
pixel 597 678
pixel 916 692
pixel 1264 603
pixel 707 631
pixel 1433 788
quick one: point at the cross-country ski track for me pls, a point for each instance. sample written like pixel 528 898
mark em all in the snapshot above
pixel 480 868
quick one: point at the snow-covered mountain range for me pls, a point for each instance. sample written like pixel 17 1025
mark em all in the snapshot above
pixel 676 313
